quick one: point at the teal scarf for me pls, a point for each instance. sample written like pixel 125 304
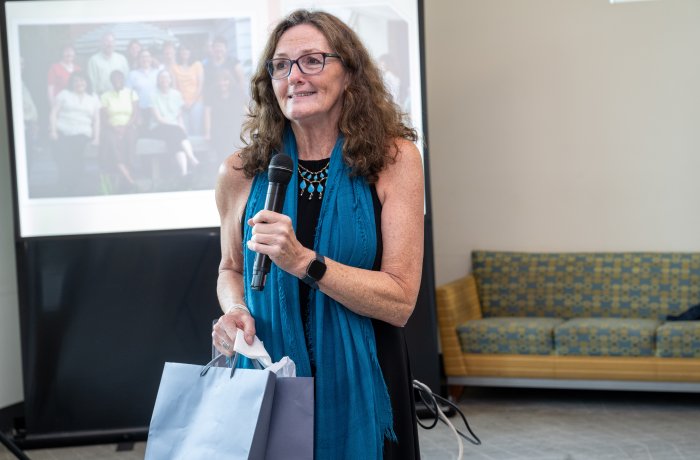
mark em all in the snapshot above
pixel 352 409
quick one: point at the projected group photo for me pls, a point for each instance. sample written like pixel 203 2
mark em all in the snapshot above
pixel 132 107
pixel 122 111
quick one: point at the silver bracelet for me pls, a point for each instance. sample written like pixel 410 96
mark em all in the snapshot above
pixel 236 306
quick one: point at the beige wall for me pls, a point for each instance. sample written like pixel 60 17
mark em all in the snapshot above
pixel 569 125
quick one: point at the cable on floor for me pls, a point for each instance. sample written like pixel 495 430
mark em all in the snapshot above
pixel 430 400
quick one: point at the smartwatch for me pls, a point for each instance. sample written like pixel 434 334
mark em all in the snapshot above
pixel 315 271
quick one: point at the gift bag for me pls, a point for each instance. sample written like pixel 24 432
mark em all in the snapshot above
pixel 214 413
pixel 291 431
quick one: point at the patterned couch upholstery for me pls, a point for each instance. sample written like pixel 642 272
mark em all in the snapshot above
pixel 564 319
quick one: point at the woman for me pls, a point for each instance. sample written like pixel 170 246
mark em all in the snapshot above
pixel 60 72
pixel 168 56
pixel 167 114
pixel 189 78
pixel 133 50
pixel 119 120
pixel 358 244
pixel 143 80
pixel 73 124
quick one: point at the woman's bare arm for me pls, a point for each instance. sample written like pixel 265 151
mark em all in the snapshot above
pixel 232 189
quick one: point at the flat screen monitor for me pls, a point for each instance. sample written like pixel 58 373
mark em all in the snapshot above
pixel 73 176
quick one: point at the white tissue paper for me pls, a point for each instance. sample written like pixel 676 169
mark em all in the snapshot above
pixel 285 367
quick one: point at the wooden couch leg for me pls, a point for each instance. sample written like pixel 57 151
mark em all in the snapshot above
pixel 455 392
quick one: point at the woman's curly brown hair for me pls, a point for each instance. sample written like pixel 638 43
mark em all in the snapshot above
pixel 370 121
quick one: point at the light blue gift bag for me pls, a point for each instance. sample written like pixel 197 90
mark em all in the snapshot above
pixel 211 413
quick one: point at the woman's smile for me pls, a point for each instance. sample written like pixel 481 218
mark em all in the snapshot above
pixel 301 94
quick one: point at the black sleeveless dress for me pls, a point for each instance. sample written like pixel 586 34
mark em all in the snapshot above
pixel 392 351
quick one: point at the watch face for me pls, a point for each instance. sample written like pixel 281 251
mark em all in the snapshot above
pixel 316 269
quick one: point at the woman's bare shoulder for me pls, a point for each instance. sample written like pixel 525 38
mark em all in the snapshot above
pixel 404 171
pixel 231 170
pixel 404 150
pixel 232 182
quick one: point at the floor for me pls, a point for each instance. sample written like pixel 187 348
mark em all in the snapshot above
pixel 526 424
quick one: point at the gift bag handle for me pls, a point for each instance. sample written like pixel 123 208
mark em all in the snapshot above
pixel 234 362
pixel 218 362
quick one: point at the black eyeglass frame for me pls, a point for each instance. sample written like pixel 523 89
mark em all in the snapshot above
pixel 269 62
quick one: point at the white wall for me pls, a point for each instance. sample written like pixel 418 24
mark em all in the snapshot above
pixel 569 125
pixel 10 358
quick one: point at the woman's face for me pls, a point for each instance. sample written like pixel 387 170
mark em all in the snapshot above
pixel 68 55
pixel 304 97
pixel 79 85
pixel 224 83
pixel 169 52
pixel 145 60
pixel 164 80
pixel 134 49
pixel 185 54
pixel 117 79
pixel 218 51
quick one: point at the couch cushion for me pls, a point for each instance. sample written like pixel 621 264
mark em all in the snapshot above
pixel 606 337
pixel 678 339
pixel 508 335
pixel 593 285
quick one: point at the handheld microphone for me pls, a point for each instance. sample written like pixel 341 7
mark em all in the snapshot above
pixel 278 173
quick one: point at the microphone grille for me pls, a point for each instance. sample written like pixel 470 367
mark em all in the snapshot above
pixel 280 169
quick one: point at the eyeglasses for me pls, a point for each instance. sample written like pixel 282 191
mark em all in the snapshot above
pixel 309 64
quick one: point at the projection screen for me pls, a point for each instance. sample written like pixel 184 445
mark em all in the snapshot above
pixel 63 54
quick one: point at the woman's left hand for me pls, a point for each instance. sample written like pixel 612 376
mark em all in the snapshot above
pixel 274 236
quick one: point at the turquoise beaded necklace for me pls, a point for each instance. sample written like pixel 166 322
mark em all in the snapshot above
pixel 313 181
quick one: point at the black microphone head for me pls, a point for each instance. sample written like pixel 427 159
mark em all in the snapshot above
pixel 280 169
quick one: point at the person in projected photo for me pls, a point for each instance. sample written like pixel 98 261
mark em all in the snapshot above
pixel 30 116
pixel 144 80
pixel 167 56
pixel 60 72
pixel 102 64
pixel 347 249
pixel 74 123
pixel 218 60
pixel 223 115
pixel 189 79
pixel 133 49
pixel 169 127
pixel 120 114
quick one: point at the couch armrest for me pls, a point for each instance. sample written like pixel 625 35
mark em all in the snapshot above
pixel 457 302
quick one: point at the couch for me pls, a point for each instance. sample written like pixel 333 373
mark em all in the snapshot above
pixel 572 320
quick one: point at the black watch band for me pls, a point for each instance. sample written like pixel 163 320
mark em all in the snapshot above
pixel 315 271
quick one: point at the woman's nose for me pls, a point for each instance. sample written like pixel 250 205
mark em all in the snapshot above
pixel 295 72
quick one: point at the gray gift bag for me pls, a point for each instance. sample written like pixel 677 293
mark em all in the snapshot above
pixel 211 413
pixel 291 431
pixel 291 435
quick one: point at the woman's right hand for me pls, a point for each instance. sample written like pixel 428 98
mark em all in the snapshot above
pixel 224 331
